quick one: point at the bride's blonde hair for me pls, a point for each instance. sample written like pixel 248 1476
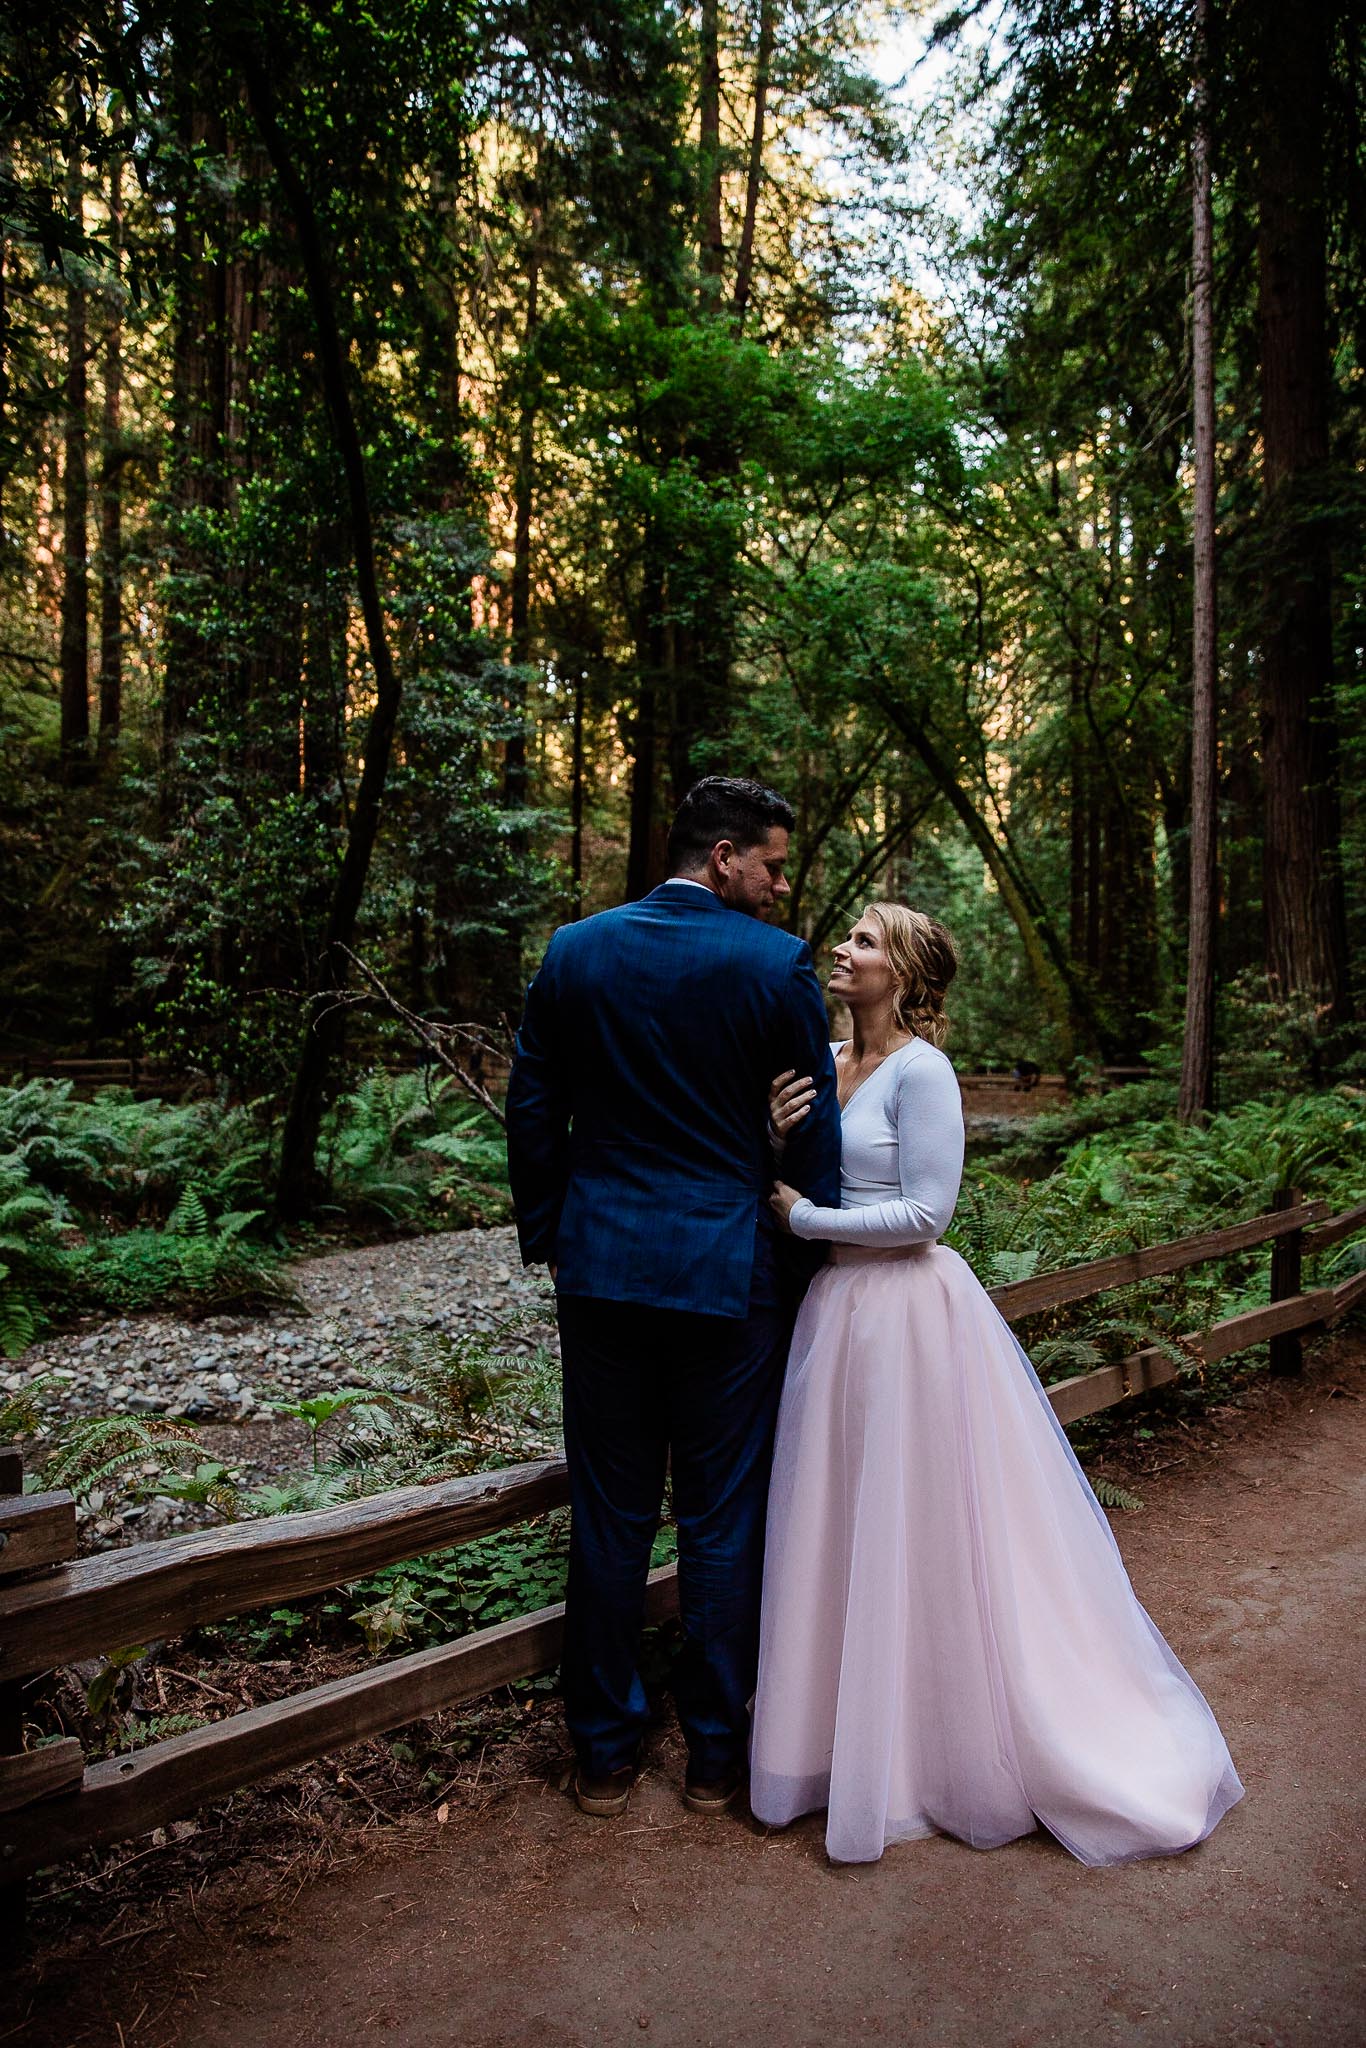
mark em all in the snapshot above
pixel 924 962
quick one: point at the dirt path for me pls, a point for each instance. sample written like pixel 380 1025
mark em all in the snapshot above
pixel 526 1923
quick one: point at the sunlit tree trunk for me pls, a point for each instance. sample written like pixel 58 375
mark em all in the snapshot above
pixel 763 64
pixel 711 247
pixel 1197 1057
pixel 6 287
pixel 199 401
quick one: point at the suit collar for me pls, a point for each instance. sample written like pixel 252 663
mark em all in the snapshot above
pixel 694 896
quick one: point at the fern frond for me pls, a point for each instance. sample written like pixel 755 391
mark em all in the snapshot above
pixel 92 1449
pixel 1112 1496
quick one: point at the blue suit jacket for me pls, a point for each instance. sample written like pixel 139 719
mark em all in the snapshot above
pixel 638 1104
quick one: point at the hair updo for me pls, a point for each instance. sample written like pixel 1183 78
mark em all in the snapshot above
pixel 924 963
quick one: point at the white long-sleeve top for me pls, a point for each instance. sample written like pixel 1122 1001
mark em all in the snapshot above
pixel 901 1159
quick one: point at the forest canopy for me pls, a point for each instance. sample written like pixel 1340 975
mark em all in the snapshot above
pixel 432 436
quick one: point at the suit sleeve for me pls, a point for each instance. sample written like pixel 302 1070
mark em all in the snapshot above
pixel 811 1156
pixel 538 1120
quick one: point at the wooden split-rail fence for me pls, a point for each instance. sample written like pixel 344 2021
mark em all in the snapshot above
pixel 57 1609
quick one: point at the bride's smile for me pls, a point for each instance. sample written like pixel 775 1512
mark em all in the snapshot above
pixel 862 974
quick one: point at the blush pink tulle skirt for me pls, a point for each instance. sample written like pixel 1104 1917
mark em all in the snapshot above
pixel 950 1641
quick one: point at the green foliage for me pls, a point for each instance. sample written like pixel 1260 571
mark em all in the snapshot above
pixel 133 1159
pixel 125 1204
pixel 29 1256
pixel 86 1453
pixel 448 1404
pixel 1132 1181
pixel 405 1146
pixel 211 1484
pixel 453 1592
pixel 1111 1495
pixel 318 1409
pixel 193 1260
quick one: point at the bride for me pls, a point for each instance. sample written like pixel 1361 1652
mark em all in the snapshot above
pixel 949 1640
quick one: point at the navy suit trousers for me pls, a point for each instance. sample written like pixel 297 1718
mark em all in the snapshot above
pixel 642 1387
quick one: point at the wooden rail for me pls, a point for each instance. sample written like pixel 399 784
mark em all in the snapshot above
pixel 130 1794
pixel 1020 1298
pixel 161 1589
pixel 146 1078
pixel 51 1614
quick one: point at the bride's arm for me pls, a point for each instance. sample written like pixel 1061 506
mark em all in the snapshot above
pixel 929 1116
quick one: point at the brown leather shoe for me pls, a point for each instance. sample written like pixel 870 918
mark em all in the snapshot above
pixel 606 1796
pixel 713 1795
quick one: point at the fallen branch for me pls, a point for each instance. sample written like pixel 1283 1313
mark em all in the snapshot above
pixel 435 1038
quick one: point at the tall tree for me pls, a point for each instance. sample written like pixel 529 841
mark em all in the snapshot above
pixel 111 486
pixel 754 169
pixel 75 650
pixel 199 399
pixel 1302 874
pixel 1197 1061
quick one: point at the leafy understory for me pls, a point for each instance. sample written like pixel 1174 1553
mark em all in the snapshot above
pixel 118 1204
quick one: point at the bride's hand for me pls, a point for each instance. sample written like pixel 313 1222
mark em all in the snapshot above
pixel 782 1202
pixel 790 1097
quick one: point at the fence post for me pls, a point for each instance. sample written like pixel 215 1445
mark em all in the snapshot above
pixel 14 1894
pixel 1287 1351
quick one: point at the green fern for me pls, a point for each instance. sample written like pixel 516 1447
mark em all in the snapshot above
pixel 298 1492
pixel 1006 1266
pixel 189 1218
pixel 1112 1496
pixel 22 1413
pixel 1078 1354
pixel 211 1484
pixel 29 1257
pixel 86 1452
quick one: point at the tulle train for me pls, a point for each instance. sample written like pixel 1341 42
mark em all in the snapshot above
pixel 950 1640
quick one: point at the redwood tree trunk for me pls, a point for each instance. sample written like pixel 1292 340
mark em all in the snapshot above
pixel 111 496
pixel 75 645
pixel 199 400
pixel 524 483
pixel 1303 892
pixel 576 798
pixel 711 248
pixel 763 64
pixel 640 855
pixel 1197 1056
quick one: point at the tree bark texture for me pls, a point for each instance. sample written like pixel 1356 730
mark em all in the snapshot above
pixel 75 641
pixel 763 64
pixel 111 492
pixel 199 426
pixel 1197 1055
pixel 1302 876
pixel 711 246
pixel 576 799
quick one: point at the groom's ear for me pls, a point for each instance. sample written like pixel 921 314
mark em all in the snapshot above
pixel 722 854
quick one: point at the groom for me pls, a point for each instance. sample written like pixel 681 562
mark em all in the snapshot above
pixel 639 1160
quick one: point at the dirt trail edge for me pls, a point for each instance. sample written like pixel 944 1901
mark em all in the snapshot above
pixel 528 1923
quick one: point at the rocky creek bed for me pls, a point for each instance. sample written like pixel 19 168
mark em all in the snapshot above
pixel 220 1374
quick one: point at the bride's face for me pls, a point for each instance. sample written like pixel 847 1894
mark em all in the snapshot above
pixel 862 974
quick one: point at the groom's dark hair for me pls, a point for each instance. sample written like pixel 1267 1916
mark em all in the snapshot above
pixel 724 807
